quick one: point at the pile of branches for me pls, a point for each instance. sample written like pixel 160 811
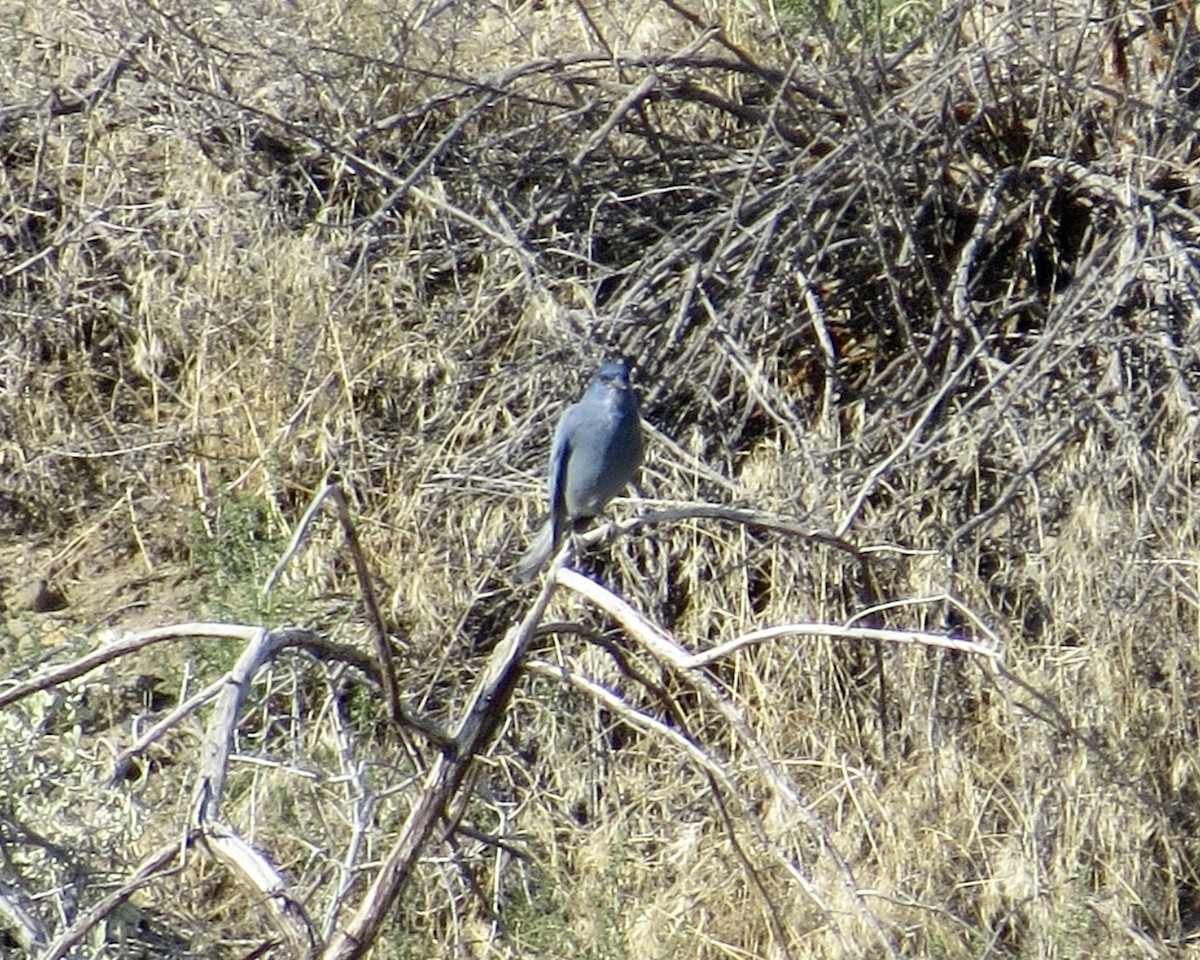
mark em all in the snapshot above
pixel 848 223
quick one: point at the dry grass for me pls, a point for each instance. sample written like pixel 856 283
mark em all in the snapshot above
pixel 928 306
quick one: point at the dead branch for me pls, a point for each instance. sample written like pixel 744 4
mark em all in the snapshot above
pixel 665 649
pixel 120 644
pixel 121 763
pixel 155 866
pixel 383 643
pixel 261 646
pixel 482 715
pixel 258 873
pixel 19 919
pixel 723 650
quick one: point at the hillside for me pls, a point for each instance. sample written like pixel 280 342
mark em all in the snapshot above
pixel 891 652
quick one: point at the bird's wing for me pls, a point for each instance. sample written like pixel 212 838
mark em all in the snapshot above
pixel 560 458
pixel 548 537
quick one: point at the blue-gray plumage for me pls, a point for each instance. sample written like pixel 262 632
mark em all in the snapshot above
pixel 597 449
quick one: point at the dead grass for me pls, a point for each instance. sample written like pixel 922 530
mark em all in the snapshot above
pixel 930 301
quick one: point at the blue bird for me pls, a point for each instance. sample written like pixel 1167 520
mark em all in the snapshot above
pixel 597 449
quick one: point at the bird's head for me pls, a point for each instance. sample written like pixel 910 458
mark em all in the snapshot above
pixel 614 374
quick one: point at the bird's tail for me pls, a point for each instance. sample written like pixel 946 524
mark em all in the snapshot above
pixel 533 559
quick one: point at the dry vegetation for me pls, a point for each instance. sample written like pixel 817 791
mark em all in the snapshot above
pixel 912 300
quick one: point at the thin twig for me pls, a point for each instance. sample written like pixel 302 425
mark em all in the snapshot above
pixel 383 642
pixel 298 535
pixel 124 644
pixel 153 867
pixel 723 650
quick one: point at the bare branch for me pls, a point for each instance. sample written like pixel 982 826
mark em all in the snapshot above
pixel 665 649
pixel 257 872
pixel 120 645
pixel 723 650
pixel 154 867
pixel 483 713
pixel 383 643
pixel 19 919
